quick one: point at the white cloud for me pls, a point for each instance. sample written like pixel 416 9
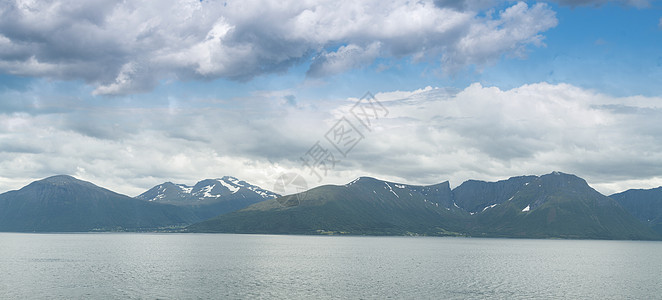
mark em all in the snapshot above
pixel 124 47
pixel 516 27
pixel 430 135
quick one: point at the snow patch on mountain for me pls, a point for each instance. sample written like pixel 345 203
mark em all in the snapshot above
pixel 185 188
pixel 264 193
pixel 490 206
pixel 391 189
pixel 233 188
pixel 353 181
pixel 207 192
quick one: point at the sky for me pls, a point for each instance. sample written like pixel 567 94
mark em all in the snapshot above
pixel 130 94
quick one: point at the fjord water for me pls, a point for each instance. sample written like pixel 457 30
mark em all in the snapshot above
pixel 183 266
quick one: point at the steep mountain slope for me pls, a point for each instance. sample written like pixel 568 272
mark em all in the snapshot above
pixel 65 204
pixel 476 196
pixel 210 197
pixel 645 205
pixel 364 206
pixel 559 205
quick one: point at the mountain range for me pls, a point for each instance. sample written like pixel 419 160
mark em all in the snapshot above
pixel 555 205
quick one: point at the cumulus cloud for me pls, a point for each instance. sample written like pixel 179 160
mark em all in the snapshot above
pixel 124 47
pixel 429 135
pixel 517 27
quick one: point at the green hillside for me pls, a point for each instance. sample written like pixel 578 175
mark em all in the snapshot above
pixel 366 206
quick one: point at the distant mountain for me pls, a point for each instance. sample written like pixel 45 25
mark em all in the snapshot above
pixel 556 205
pixel 65 204
pixel 210 197
pixel 364 206
pixel 645 205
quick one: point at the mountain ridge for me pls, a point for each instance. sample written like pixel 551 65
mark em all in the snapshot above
pixel 522 206
pixel 555 205
pixel 386 215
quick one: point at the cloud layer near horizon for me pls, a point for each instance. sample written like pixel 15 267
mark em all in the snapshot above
pixel 429 136
pixel 125 47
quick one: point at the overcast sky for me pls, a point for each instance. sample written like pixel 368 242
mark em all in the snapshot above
pixel 130 94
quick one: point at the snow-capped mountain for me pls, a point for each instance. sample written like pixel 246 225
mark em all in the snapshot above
pixel 209 197
pixel 205 190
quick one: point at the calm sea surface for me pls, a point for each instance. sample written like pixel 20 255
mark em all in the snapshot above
pixel 194 266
